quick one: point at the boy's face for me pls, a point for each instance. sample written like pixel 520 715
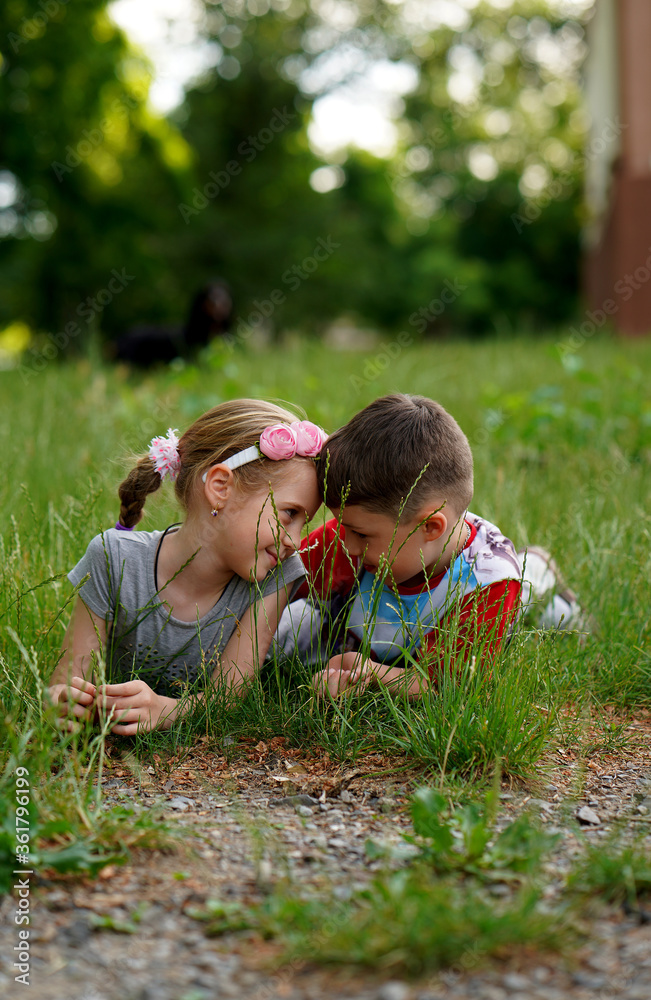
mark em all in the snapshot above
pixel 409 548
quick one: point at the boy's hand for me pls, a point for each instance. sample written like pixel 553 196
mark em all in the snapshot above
pixel 135 706
pixel 344 671
pixel 77 698
pixel 351 671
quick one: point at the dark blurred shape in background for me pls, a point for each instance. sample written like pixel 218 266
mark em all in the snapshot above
pixel 210 316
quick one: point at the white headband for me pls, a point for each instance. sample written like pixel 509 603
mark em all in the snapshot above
pixel 242 457
pixel 280 441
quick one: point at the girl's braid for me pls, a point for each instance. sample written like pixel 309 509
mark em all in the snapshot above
pixel 141 481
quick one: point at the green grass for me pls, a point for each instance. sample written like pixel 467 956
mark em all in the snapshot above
pixel 562 457
pixel 417 919
pixel 406 923
pixel 616 872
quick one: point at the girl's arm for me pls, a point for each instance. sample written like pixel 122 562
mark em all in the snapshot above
pixel 137 706
pixel 250 642
pixel 71 686
pixel 73 691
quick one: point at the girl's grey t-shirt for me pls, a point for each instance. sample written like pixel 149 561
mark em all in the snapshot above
pixel 144 639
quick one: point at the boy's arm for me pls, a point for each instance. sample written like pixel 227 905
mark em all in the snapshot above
pixel 481 625
pixel 347 670
pixel 484 620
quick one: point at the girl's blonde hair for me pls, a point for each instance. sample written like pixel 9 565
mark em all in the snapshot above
pixel 215 436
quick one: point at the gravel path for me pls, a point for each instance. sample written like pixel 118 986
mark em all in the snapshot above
pixel 275 814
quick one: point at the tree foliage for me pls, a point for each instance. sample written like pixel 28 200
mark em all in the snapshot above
pixel 89 175
pixel 481 196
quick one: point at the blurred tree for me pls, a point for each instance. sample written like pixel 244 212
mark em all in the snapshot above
pixel 494 137
pixel 249 213
pixel 87 173
pixel 252 213
pixel 473 223
pixel 484 191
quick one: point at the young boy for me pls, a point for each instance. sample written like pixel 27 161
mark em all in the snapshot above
pixel 430 585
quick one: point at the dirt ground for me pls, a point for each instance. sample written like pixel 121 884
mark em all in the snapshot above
pixel 273 812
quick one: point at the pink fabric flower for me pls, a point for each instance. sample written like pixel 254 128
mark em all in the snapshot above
pixel 309 438
pixel 164 453
pixel 278 441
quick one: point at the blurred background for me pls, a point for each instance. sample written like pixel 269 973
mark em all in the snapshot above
pixel 345 198
pixel 339 165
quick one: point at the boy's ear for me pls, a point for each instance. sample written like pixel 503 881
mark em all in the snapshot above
pixel 219 484
pixel 434 525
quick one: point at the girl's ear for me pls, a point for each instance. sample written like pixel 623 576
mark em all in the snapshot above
pixel 434 525
pixel 218 486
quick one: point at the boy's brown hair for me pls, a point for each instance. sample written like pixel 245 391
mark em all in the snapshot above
pixel 396 455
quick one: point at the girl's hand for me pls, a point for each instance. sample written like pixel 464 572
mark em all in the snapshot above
pixel 75 698
pixel 135 707
pixel 344 671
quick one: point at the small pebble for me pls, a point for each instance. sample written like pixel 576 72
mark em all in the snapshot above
pixel 294 800
pixel 393 991
pixel 515 981
pixel 590 982
pixel 77 933
pixel 587 816
pixel 181 803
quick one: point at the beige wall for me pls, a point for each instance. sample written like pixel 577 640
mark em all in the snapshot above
pixel 602 100
pixel 618 170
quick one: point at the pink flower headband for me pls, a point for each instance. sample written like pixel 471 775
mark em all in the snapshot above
pixel 281 441
pixel 277 442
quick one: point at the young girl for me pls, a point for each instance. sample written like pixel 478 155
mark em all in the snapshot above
pixel 202 598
